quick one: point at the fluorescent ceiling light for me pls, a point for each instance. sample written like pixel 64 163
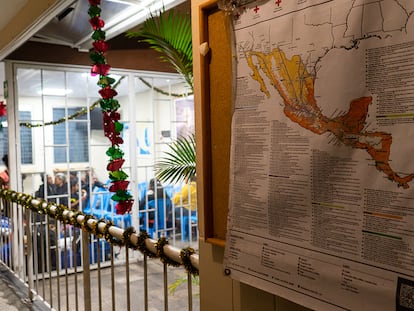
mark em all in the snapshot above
pixel 54 92
pixel 137 13
pixel 123 2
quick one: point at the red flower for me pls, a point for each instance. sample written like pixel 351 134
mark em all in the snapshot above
pixel 109 129
pixel 101 46
pixel 96 23
pixel 109 126
pixel 94 2
pixel 119 185
pixel 115 116
pixel 115 165
pixel 110 116
pixel 107 117
pixel 116 140
pixel 123 207
pixel 3 110
pixel 100 69
pixel 107 92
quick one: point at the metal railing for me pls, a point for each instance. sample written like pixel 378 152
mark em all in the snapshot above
pixel 73 261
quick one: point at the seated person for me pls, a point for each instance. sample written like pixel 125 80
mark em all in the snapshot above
pixel 4 175
pixel 61 188
pixel 156 193
pixel 187 199
pixel 75 201
pixel 47 188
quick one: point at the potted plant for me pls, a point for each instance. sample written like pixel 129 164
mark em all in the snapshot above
pixel 170 34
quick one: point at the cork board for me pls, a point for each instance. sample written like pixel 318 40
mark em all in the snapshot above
pixel 219 84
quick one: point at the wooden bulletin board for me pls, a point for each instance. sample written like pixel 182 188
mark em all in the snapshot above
pixel 217 110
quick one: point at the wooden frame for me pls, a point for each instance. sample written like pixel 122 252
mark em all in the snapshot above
pixel 214 112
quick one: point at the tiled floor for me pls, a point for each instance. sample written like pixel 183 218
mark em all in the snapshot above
pixel 9 300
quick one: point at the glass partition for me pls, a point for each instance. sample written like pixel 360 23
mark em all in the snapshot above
pixel 60 131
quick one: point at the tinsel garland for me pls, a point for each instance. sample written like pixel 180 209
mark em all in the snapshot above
pixel 109 105
pixel 75 115
pixel 142 247
pixel 70 216
pixel 185 256
pixel 158 90
pixel 105 234
pixel 78 113
pixel 85 225
pixel 126 237
pixel 162 241
pixel 83 111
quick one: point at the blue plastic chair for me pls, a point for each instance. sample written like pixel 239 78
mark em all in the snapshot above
pixel 100 203
pixel 186 223
pixel 142 189
pixel 169 190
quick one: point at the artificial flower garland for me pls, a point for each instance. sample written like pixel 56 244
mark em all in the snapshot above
pixel 3 112
pixel 3 109
pixel 112 126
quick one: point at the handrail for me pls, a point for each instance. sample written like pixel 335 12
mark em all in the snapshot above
pixel 168 254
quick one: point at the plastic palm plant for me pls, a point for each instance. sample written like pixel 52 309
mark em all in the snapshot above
pixel 179 162
pixel 169 33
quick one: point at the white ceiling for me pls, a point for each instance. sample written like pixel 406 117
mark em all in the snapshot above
pixel 68 22
pixel 71 26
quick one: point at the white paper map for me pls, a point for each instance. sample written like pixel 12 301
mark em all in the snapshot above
pixel 322 189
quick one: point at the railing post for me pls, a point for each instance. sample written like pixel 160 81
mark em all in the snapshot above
pixel 190 291
pixel 86 272
pixel 29 252
pixel 15 262
pixel 165 287
pixel 145 282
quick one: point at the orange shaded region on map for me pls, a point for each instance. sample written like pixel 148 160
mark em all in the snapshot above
pixel 296 87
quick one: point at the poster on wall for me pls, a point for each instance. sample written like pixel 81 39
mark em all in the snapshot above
pixel 184 116
pixel 321 187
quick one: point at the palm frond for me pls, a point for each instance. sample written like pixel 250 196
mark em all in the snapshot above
pixel 179 163
pixel 183 279
pixel 170 34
